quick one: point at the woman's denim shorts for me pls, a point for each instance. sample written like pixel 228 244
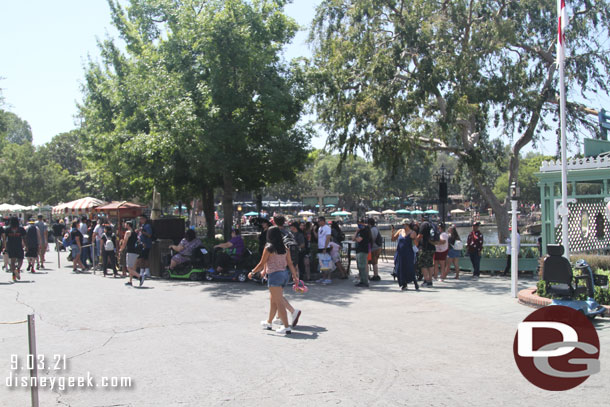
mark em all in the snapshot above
pixel 277 279
pixel 75 250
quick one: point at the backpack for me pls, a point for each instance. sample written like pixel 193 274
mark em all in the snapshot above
pixel 435 233
pixel 32 235
pixel 109 245
pixel 291 244
pixel 379 239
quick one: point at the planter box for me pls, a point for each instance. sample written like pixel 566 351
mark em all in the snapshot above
pixel 498 264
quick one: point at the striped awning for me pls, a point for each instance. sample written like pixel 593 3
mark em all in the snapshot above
pixel 78 207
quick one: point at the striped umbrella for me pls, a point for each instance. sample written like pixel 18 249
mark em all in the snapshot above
pixel 78 207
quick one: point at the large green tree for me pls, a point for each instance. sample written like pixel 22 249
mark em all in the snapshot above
pixel 199 99
pixel 395 76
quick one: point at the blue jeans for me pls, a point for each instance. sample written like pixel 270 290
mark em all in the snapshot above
pixel 476 263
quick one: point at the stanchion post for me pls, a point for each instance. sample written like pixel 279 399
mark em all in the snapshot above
pixel 57 248
pixel 34 358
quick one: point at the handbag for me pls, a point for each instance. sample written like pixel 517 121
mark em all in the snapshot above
pixel 458 245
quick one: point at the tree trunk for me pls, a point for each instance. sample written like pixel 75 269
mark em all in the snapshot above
pixel 259 201
pixel 207 199
pixel 497 206
pixel 227 204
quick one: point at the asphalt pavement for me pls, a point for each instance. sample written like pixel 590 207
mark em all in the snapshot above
pixel 200 344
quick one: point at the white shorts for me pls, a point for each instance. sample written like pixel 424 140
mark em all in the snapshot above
pixel 131 259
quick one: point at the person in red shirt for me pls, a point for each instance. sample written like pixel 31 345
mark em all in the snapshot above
pixel 474 246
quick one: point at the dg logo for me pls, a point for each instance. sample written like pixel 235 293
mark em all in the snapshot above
pixel 556 348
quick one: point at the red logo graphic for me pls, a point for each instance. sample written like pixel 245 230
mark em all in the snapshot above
pixel 556 348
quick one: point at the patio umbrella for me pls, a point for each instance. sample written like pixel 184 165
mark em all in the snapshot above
pixel 389 212
pixel 457 211
pixel 80 206
pixel 417 212
pixel 306 213
pixel 403 212
pixel 251 214
pixel 431 212
pixel 340 213
pixel 373 213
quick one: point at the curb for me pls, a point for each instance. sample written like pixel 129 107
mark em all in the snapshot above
pixel 528 297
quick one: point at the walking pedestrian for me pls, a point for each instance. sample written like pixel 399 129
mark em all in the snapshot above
pixel 32 242
pixel 145 239
pixel 474 245
pixel 44 240
pixel 273 264
pixel 14 246
pixel 404 258
pixel 128 245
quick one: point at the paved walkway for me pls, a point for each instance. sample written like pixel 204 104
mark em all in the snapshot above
pixel 199 344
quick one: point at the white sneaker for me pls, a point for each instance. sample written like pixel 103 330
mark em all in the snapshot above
pixel 294 317
pixel 284 330
pixel 327 281
pixel 266 325
pixel 276 321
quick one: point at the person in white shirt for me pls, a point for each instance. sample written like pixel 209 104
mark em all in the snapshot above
pixel 324 235
pixel 508 251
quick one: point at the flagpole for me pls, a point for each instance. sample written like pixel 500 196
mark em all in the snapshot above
pixel 562 109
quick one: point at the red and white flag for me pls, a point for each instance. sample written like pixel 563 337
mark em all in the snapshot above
pixel 561 26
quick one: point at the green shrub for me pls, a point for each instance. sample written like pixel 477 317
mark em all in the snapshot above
pixel 499 252
pixel 602 294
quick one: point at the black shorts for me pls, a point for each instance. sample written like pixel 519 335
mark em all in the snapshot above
pixel 32 251
pixel 15 253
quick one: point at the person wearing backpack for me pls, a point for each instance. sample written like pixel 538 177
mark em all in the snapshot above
pixel 108 241
pixel 376 245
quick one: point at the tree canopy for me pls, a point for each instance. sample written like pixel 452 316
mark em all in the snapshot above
pixel 396 76
pixel 199 98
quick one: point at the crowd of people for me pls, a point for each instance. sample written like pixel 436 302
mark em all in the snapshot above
pixel 93 244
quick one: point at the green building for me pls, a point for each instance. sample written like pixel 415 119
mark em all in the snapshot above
pixel 588 199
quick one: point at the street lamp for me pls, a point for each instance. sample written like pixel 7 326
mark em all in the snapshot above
pixel 514 252
pixel 239 208
pixel 442 176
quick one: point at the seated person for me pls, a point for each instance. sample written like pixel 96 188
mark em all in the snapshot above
pixel 234 249
pixel 184 249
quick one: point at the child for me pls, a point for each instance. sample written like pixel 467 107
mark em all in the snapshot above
pixel 335 250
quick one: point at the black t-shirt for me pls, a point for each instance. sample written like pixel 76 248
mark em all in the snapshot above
pixel 363 245
pixel 14 238
pixel 131 243
pixel 73 234
pixel 424 230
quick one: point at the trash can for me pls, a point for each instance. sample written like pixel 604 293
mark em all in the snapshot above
pixel 160 249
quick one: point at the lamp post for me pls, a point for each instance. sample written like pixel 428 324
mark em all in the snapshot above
pixel 239 208
pixel 442 176
pixel 514 252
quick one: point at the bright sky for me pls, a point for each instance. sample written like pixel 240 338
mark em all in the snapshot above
pixel 45 44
